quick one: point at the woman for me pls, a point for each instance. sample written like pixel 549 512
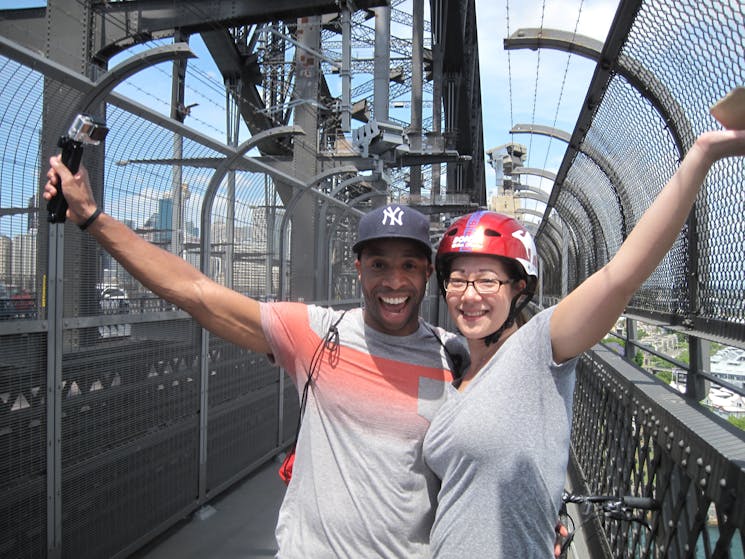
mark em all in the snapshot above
pixel 500 442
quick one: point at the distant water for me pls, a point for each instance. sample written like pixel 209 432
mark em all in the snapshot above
pixel 735 553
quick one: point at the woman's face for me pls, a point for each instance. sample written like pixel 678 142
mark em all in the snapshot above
pixel 479 314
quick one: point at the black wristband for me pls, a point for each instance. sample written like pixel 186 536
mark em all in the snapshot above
pixel 91 219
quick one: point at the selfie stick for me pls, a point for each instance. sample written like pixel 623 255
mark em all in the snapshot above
pixel 83 131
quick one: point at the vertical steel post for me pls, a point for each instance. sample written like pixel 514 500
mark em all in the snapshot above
pixel 382 68
pixel 233 116
pixel 345 72
pixel 437 48
pixel 697 387
pixel 417 75
pixel 178 112
pixel 630 349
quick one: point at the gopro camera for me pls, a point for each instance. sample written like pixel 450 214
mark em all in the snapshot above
pixel 84 130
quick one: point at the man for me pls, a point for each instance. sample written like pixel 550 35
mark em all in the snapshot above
pixel 359 487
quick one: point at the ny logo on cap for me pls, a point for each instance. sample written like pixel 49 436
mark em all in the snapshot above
pixel 393 216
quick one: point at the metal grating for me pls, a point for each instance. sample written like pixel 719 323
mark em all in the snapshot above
pixel 20 296
pixel 113 396
pixel 23 448
pixel 112 501
pixel 631 435
pixel 641 169
pixel 242 434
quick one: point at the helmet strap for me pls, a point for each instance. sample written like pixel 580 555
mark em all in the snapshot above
pixel 515 309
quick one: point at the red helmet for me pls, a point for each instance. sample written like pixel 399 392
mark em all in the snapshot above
pixel 487 233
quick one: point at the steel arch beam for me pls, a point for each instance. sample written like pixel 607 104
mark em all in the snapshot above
pixel 596 157
pixel 531 189
pixel 527 211
pixel 130 66
pixel 541 130
pixel 219 174
pixel 534 38
pixel 551 228
pixel 534 171
pixel 589 210
pixel 578 240
pixel 630 69
pixel 532 194
pixel 554 243
pixel 289 208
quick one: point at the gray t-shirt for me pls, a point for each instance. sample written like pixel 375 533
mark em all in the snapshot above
pixel 500 448
pixel 359 486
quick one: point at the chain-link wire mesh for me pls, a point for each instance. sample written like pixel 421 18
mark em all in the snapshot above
pixel 130 375
pixel 676 61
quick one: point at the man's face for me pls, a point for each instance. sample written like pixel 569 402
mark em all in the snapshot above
pixel 393 274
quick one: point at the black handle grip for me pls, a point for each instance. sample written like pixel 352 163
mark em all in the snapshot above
pixel 72 153
pixel 646 503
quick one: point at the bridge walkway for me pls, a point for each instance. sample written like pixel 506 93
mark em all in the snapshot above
pixel 238 524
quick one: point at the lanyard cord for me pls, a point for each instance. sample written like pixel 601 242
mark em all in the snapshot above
pixel 455 361
pixel 331 343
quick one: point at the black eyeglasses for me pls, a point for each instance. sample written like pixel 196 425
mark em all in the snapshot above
pixel 483 286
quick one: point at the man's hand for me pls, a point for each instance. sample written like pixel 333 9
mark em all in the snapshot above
pixel 77 190
pixel 561 535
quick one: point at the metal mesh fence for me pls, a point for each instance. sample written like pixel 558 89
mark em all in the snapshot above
pixel 125 394
pixel 676 60
pixel 101 407
pixel 672 63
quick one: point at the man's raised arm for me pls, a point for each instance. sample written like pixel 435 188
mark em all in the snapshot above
pixel 220 310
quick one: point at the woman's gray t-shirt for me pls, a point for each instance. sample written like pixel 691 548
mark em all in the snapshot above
pixel 500 448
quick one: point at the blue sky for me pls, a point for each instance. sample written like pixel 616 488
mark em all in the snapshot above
pixel 508 78
pixel 517 86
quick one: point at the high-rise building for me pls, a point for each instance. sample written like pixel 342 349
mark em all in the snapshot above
pixel 6 247
pixel 23 259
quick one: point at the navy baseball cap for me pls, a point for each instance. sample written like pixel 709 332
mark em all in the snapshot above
pixel 394 222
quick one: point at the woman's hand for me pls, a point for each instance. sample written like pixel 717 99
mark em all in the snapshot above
pixel 718 144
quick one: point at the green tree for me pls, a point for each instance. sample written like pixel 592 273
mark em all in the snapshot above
pixel 639 358
pixel 684 356
pixel 666 376
pixel 738 422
